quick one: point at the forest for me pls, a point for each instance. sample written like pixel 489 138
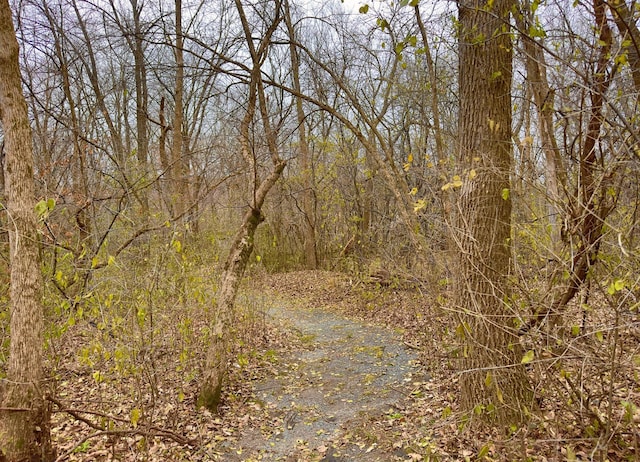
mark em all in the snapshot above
pixel 320 230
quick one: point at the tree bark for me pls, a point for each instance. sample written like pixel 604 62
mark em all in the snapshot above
pixel 218 354
pixel 493 382
pixel 142 97
pixel 544 100
pixel 178 169
pixel 591 208
pixel 306 164
pixel 24 411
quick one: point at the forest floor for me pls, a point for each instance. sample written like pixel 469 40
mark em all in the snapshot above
pixel 327 368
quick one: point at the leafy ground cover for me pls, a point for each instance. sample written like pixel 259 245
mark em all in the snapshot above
pixel 314 378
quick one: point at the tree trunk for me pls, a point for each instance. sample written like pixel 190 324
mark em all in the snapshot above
pixel 544 100
pixel 592 207
pixel 24 411
pixel 178 179
pixel 142 97
pixel 218 353
pixel 493 382
pixel 306 165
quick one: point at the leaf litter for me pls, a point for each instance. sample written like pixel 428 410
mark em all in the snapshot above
pixel 313 379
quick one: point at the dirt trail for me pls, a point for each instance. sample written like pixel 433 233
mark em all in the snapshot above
pixel 349 371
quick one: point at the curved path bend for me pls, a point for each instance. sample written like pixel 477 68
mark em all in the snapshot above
pixel 349 371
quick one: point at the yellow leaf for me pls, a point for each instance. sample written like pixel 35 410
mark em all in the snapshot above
pixel 97 376
pixel 528 357
pixel 406 167
pixel 413 191
pixel 135 417
pixel 488 380
pixel 472 174
pixel 419 205
pixel 111 260
pixel 177 245
pixel 410 158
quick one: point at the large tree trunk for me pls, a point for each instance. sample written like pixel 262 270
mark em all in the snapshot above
pixel 493 380
pixel 24 411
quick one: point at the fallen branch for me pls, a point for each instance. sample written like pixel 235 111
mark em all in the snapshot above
pixel 148 431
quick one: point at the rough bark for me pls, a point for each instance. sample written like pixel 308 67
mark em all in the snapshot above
pixel 24 411
pixel 493 380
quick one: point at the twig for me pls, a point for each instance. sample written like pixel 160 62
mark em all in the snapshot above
pixel 146 431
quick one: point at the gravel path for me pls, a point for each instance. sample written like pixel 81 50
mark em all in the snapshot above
pixel 350 370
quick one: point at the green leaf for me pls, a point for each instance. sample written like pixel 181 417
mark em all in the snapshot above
pixel 528 357
pixel 177 245
pixel 483 451
pixel 364 9
pixel 97 376
pixel 41 209
pixel 135 417
pixel 382 23
pixel 505 194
